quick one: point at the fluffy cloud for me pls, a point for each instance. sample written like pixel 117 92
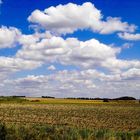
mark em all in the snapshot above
pixel 52 67
pixel 128 36
pixel 71 51
pixel 89 56
pixel 131 74
pixel 115 24
pixel 17 63
pixel 93 68
pixel 68 18
pixel 87 83
pixel 27 40
pixel 8 66
pixel 8 36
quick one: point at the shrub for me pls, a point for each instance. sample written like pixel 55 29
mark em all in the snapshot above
pixel 3 132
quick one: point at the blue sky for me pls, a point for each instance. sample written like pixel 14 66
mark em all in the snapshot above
pixel 15 13
pixel 106 43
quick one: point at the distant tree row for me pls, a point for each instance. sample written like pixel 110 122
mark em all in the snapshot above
pixel 48 97
pixel 79 98
pixel 104 99
pixel 13 96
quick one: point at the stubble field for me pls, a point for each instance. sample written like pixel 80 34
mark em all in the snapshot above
pixel 70 119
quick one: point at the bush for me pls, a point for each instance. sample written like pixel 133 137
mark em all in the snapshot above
pixel 105 100
pixel 3 132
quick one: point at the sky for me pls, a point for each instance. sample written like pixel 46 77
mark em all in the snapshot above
pixel 71 48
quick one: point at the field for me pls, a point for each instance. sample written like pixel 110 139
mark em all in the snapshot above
pixel 69 119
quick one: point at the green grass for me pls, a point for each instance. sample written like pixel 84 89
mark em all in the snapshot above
pixel 49 132
pixel 13 100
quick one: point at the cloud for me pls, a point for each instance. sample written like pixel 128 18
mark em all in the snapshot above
pixel 132 73
pixel 51 67
pixel 89 56
pixel 60 20
pixel 1 2
pixel 128 36
pixel 127 45
pixel 9 65
pixel 28 39
pixel 8 37
pixel 85 83
pixel 71 51
pixel 114 25
pixel 92 68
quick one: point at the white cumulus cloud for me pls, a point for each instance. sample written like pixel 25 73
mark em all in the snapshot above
pixel 92 68
pixel 51 67
pixel 71 17
pixel 129 36
pixel 8 36
pixel 71 51
pixel 85 83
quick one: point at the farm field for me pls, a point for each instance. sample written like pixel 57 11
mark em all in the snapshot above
pixel 70 119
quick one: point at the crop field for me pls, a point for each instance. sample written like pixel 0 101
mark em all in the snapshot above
pixel 70 119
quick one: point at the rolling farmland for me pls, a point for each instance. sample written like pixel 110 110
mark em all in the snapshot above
pixel 85 119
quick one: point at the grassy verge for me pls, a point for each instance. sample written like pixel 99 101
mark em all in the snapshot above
pixel 53 132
